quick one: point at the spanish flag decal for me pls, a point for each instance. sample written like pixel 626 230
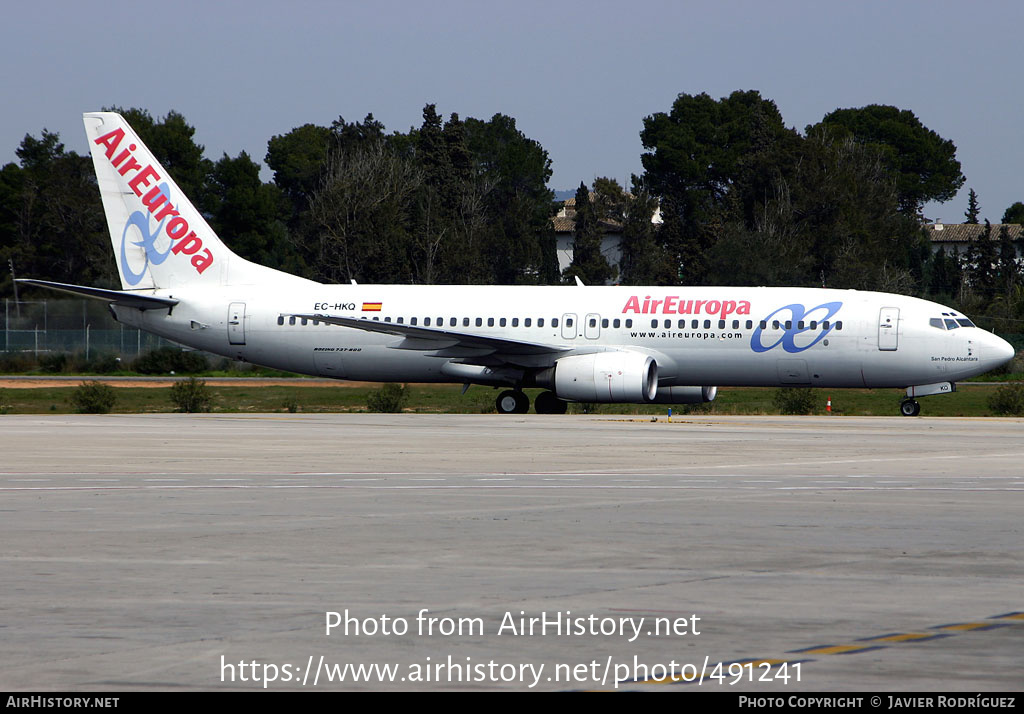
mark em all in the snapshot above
pixel 372 306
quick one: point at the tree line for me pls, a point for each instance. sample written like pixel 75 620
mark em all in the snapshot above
pixel 743 199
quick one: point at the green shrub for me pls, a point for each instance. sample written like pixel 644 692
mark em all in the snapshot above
pixel 93 398
pixel 794 400
pixel 390 398
pixel 53 362
pixel 1008 400
pixel 103 363
pixel 16 362
pixel 191 395
pixel 165 360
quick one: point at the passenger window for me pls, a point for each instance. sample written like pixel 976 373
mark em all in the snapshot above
pixel 707 324
pixel 526 321
pixel 604 322
pixel 735 324
pixel 825 325
pixel 280 319
pixel 540 322
pixel 465 322
pixel 387 319
pixel 775 324
pixel 401 321
pixel 568 322
pixel 490 322
pixel 695 324
pixel 501 322
pixel 789 324
pixel 629 323
pixel 800 325
pixel 763 325
pixel 426 322
pixel 305 321
pixel 593 322
pixel 453 322
pixel 616 323
pixel 721 324
pixel 839 324
pixel 479 322
pixel 750 324
pixel 554 322
pixel 291 320
pixel 654 323
pixel 515 322
pixel 412 320
pixel 814 324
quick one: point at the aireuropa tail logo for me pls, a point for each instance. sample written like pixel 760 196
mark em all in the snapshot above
pixel 139 220
pixel 798 328
pixel 157 202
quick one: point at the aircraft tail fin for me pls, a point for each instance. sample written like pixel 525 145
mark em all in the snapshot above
pixel 160 240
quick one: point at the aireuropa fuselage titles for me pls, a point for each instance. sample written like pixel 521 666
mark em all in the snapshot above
pixel 722 336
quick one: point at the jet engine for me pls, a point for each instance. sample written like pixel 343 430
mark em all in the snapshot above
pixel 630 377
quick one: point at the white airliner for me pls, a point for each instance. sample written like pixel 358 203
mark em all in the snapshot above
pixel 666 345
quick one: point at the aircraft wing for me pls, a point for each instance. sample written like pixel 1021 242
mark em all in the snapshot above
pixel 119 297
pixel 433 338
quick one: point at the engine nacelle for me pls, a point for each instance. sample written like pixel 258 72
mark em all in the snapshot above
pixel 630 377
pixel 686 395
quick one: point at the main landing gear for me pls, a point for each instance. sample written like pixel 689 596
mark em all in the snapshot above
pixel 910 407
pixel 513 401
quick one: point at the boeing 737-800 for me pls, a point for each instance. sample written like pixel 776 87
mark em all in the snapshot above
pixel 587 344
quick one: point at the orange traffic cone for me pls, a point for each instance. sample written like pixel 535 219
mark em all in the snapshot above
pixel 828 405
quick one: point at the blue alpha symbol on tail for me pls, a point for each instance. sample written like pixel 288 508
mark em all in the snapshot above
pixel 140 220
pixel 796 314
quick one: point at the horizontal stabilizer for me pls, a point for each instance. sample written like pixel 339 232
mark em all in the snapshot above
pixel 118 297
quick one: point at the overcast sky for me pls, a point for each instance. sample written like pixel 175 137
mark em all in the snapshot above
pixel 579 77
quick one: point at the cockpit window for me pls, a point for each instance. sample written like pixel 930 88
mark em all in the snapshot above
pixel 951 324
pixel 936 322
pixel 964 322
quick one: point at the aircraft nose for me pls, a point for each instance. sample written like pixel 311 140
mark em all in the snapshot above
pixel 999 350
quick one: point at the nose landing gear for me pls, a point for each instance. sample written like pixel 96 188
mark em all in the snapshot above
pixel 910 407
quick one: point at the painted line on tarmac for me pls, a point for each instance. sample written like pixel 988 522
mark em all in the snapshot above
pixel 720 670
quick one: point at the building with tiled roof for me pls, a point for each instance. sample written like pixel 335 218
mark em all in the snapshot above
pixel 956 237
pixel 611 240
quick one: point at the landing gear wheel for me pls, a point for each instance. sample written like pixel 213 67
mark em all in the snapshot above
pixel 548 403
pixel 512 402
pixel 910 407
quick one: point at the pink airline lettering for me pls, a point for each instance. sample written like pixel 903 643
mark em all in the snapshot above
pixel 156 202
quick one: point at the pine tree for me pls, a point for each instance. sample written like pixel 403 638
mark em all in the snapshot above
pixel 588 262
pixel 973 209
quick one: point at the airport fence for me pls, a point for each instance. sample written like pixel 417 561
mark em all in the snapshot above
pixel 41 327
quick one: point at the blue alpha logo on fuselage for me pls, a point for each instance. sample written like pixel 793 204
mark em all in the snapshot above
pixel 798 329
